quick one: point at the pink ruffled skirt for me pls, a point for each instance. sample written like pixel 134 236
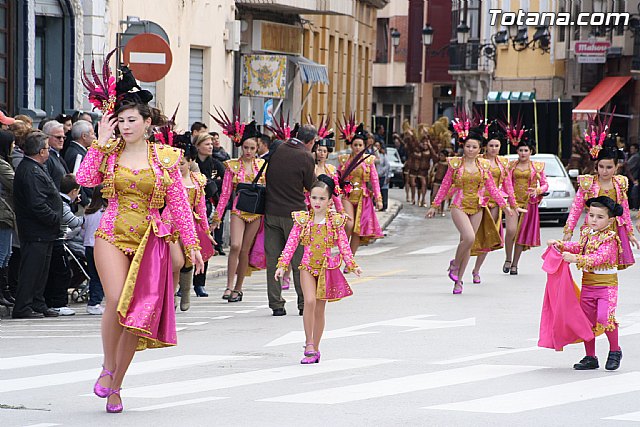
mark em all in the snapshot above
pixel 529 227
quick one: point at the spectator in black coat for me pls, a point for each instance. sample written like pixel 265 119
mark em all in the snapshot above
pixel 38 209
pixel 55 164
pixel 82 136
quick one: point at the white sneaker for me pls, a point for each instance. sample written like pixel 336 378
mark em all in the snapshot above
pixel 65 311
pixel 95 309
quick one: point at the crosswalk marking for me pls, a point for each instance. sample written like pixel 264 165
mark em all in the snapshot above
pixel 432 250
pixel 631 416
pixel 178 403
pixel 139 368
pixel 43 425
pixel 249 378
pixel 486 355
pixel 402 385
pixel 41 359
pixel 375 251
pixel 544 397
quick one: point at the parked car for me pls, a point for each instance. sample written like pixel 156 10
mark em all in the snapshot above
pixel 558 199
pixel 397 178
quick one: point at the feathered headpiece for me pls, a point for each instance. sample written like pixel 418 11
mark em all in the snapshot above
pixel 343 185
pixel 166 134
pixel 461 123
pixel 250 131
pixel 516 133
pixel 281 128
pixel 102 89
pixel 234 130
pixel 596 133
pixel 348 128
pixel 125 89
pixel 323 128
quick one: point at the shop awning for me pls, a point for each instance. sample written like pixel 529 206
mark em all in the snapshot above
pixel 310 71
pixel 599 96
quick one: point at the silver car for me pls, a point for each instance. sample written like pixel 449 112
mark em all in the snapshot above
pixel 558 199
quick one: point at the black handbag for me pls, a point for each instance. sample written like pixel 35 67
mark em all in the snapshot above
pixel 251 196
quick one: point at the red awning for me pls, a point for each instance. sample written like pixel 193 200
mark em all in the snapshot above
pixel 599 96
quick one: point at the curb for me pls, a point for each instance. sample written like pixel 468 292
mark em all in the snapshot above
pixel 395 206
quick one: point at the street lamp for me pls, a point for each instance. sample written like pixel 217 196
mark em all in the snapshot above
pixel 462 31
pixel 395 37
pixel 427 35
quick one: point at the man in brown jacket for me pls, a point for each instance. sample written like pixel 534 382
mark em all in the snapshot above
pixel 291 171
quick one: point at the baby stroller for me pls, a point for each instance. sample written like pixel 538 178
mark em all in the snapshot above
pixel 79 283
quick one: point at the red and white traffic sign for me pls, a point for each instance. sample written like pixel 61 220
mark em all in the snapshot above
pixel 148 56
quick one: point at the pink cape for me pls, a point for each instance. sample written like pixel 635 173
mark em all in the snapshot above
pixel 369 226
pixel 206 246
pixel 626 257
pixel 563 321
pixel 150 312
pixel 257 256
pixel 529 230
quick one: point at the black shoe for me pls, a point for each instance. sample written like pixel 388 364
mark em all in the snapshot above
pixel 179 294
pixel 200 291
pixel 27 315
pixel 7 295
pixel 237 297
pixel 513 270
pixel 279 312
pixel 50 312
pixel 221 252
pixel 613 361
pixel 300 311
pixel 588 362
pixel 5 302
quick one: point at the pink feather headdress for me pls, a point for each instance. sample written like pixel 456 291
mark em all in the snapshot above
pixel 102 89
pixel 461 123
pixel 165 133
pixel 348 127
pixel 233 129
pixel 323 127
pixel 596 132
pixel 281 128
pixel 515 132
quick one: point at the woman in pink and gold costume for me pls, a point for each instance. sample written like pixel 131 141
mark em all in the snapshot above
pixel 358 200
pixel 319 230
pixel 467 179
pixel 245 226
pixel 131 250
pixel 490 234
pixel 604 183
pixel 529 185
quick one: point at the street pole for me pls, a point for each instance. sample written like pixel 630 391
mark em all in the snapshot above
pixel 422 76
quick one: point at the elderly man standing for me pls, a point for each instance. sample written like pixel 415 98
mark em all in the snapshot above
pixel 291 171
pixel 82 136
pixel 55 164
pixel 38 208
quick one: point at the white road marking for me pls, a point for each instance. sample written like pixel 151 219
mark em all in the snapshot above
pixel 415 323
pixel 401 385
pixel 224 311
pixel 375 251
pixel 44 425
pixel 631 416
pixel 226 305
pixel 544 397
pixel 210 318
pixel 178 403
pixel 139 368
pixel 47 336
pixel 202 385
pixel 192 323
pixel 432 250
pixel 487 355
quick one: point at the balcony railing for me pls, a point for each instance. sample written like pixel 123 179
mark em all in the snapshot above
pixel 464 57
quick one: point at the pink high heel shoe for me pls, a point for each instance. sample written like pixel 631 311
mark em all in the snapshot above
pixel 117 408
pixel 286 282
pixel 457 288
pixel 476 278
pixel 453 271
pixel 309 353
pixel 100 390
pixel 310 357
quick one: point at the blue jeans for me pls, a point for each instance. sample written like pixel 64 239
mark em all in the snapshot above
pixel 6 236
pixel 96 294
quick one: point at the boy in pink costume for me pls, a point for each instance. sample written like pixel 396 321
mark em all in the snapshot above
pixel 596 254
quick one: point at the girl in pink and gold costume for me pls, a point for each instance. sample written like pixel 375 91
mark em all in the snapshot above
pixel 605 183
pixel 467 179
pixel 245 226
pixel 362 226
pixel 596 254
pixel 132 254
pixel 489 236
pixel 319 230
pixel 529 185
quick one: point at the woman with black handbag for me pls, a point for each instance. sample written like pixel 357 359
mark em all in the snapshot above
pixel 244 225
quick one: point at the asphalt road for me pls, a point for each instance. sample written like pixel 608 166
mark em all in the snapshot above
pixel 403 351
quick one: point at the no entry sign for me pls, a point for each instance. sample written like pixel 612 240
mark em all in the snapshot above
pixel 148 56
